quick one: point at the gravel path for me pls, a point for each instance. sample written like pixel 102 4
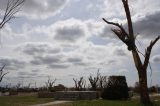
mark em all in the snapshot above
pixel 51 103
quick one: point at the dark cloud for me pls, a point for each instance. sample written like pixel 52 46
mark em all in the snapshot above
pixel 148 25
pixel 77 61
pixel 22 73
pixel 119 52
pixel 12 64
pixel 69 33
pixel 38 49
pixel 112 61
pixel 81 63
pixel 59 66
pixel 36 71
pixel 74 60
pixel 48 59
pixel 36 62
pixel 156 59
pixel 27 74
pixel 106 32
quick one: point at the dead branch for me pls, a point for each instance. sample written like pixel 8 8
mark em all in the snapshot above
pixel 13 6
pixel 49 83
pixel 148 52
pixel 123 35
pixel 79 84
pixel 2 74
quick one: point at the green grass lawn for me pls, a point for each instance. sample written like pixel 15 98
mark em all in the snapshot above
pixel 133 102
pixel 105 103
pixel 30 100
pixel 22 100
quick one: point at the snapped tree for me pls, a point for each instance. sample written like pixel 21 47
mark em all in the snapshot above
pixel 80 84
pixel 128 38
pixel 50 83
pixel 94 81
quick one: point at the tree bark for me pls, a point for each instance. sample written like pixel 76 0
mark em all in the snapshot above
pixel 144 95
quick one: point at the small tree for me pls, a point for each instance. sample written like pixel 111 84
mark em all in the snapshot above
pixel 128 38
pixel 80 84
pixel 94 81
pixel 102 82
pixel 50 83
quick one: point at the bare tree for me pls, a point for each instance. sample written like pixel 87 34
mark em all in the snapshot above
pixel 18 85
pixel 13 6
pixel 50 83
pixel 2 74
pixel 128 38
pixel 94 81
pixel 102 82
pixel 80 84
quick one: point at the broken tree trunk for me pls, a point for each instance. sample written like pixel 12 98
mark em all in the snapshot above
pixel 129 40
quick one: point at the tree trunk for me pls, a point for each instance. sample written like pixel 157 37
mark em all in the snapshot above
pixel 144 95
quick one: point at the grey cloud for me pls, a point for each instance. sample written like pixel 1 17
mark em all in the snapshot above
pixel 106 32
pixel 36 71
pixel 81 64
pixel 39 49
pixel 27 74
pixel 22 73
pixel 42 9
pixel 72 75
pixel 112 61
pixel 69 34
pixel 59 66
pixel 109 62
pixel 12 64
pixel 77 61
pixel 148 26
pixel 48 59
pixel 74 60
pixel 36 62
pixel 156 59
pixel 119 52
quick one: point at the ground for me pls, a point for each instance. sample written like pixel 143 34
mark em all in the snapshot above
pixel 24 100
pixel 27 100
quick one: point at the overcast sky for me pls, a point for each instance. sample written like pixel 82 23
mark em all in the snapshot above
pixel 67 39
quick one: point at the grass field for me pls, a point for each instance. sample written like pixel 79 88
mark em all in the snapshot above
pixel 104 103
pixel 22 100
pixel 30 100
pixel 133 102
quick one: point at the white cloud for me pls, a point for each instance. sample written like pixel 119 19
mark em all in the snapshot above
pixel 35 9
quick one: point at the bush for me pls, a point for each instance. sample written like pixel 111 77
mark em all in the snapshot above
pixel 116 88
pixel 45 94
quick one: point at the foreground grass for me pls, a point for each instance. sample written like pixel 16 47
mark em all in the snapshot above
pixel 30 100
pixel 22 100
pixel 133 102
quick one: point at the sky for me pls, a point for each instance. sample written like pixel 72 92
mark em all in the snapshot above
pixel 67 39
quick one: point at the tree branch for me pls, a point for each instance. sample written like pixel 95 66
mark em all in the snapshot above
pixel 128 15
pixel 148 52
pixel 13 6
pixel 1 73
